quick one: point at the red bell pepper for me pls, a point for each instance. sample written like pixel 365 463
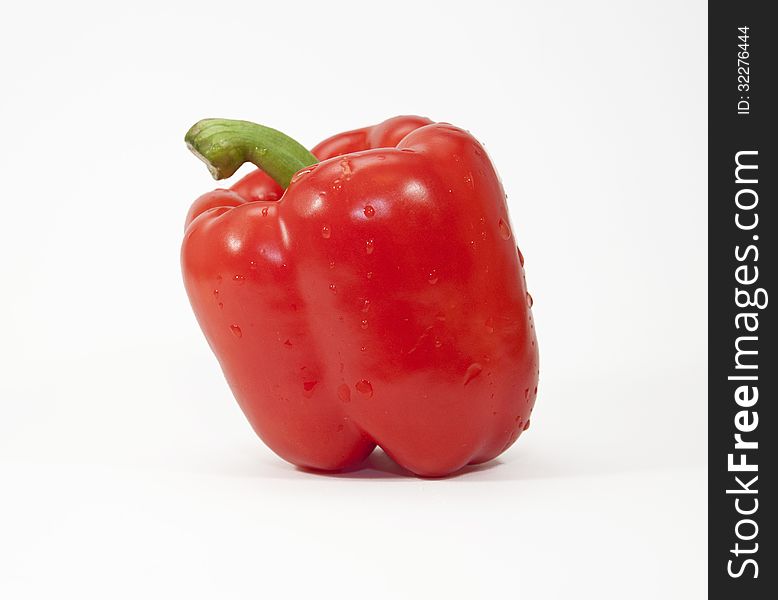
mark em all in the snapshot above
pixel 367 293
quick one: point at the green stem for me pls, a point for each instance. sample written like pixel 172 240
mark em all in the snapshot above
pixel 224 145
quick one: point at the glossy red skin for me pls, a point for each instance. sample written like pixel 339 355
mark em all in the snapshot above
pixel 339 327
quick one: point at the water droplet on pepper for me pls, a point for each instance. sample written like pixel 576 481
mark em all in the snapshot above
pixel 344 393
pixel 299 175
pixel 364 387
pixel 505 230
pixel 489 325
pixel 345 168
pixel 473 371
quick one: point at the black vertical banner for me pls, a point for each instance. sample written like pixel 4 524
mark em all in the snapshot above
pixel 742 366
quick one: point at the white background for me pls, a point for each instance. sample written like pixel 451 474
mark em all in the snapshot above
pixel 126 467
